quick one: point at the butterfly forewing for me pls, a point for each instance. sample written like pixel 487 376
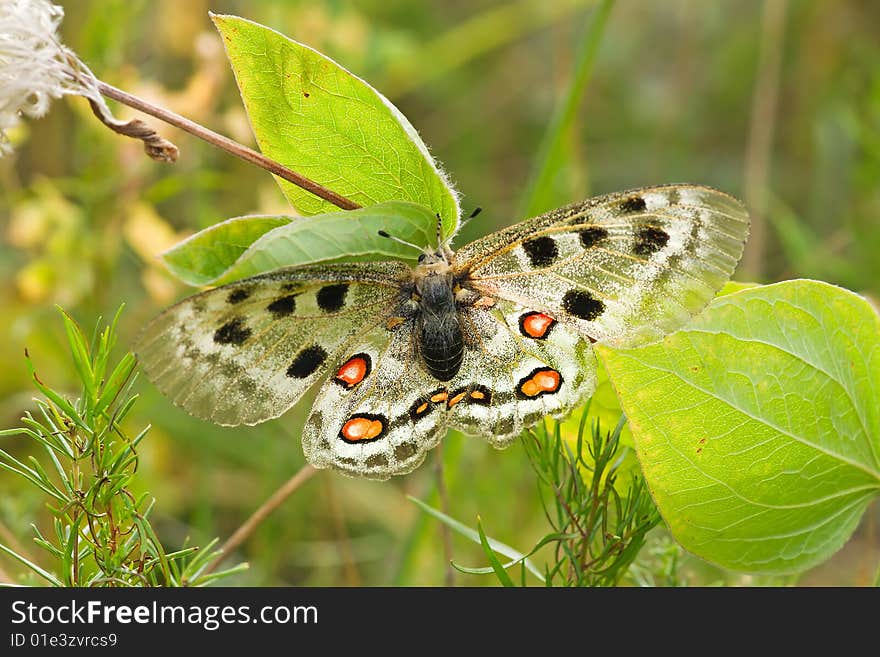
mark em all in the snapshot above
pixel 245 352
pixel 626 268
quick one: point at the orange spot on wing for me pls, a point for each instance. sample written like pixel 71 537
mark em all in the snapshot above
pixel 541 381
pixel 478 394
pixel 362 428
pixel 547 381
pixel 457 398
pixel 439 396
pixel 536 325
pixel 354 370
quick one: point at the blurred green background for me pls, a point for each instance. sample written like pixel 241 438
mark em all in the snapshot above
pixel 777 103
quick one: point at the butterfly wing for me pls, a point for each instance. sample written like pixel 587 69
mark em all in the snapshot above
pixel 375 418
pixel 245 352
pixel 382 420
pixel 626 268
pixel 512 376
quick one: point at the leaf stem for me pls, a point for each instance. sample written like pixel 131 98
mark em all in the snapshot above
pixel 247 528
pixel 226 144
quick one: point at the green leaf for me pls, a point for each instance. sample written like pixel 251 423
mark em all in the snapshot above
pixel 464 530
pixel 45 574
pixel 349 235
pixel 758 425
pixel 320 120
pixel 497 566
pixel 203 257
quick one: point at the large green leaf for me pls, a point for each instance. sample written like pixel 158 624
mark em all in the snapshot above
pixel 320 120
pixel 758 425
pixel 247 246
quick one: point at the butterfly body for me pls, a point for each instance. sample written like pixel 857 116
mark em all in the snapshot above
pixel 486 340
pixel 440 343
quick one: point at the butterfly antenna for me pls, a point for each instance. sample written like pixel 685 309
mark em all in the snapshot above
pixel 473 214
pixel 382 233
pixel 439 231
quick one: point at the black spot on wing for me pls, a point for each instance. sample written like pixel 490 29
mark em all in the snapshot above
pixel 479 394
pixel 283 306
pixel 582 304
pixel 332 297
pixel 420 408
pixel 592 236
pixel 237 296
pixel 232 332
pixel 633 204
pixel 649 240
pixel 306 362
pixel 541 251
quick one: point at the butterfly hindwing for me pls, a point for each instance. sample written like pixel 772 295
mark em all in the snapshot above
pixel 379 412
pixel 521 366
pixel 374 416
pixel 625 268
pixel 245 352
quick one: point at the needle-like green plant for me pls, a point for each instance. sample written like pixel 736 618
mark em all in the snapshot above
pixel 595 532
pixel 100 532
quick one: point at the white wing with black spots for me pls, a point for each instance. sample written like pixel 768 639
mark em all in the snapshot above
pixel 244 353
pixel 626 268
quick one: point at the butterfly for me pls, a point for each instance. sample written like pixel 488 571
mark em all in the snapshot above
pixel 487 340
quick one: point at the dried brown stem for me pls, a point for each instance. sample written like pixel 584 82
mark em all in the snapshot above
pixel 155 145
pixel 228 145
pixel 247 528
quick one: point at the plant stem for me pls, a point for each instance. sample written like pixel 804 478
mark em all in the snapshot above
pixel 228 145
pixel 247 528
pixel 759 149
pixel 446 533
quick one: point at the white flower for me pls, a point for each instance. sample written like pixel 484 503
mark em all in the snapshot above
pixel 35 67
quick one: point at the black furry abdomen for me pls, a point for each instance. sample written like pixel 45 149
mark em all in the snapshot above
pixel 442 347
pixel 440 340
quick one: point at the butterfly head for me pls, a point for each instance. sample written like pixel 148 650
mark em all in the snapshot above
pixel 435 260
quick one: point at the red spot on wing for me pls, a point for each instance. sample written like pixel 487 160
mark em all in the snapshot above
pixel 542 381
pixel 536 325
pixel 457 397
pixel 353 371
pixel 363 428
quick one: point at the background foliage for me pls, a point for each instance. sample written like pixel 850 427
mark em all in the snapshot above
pixel 671 99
